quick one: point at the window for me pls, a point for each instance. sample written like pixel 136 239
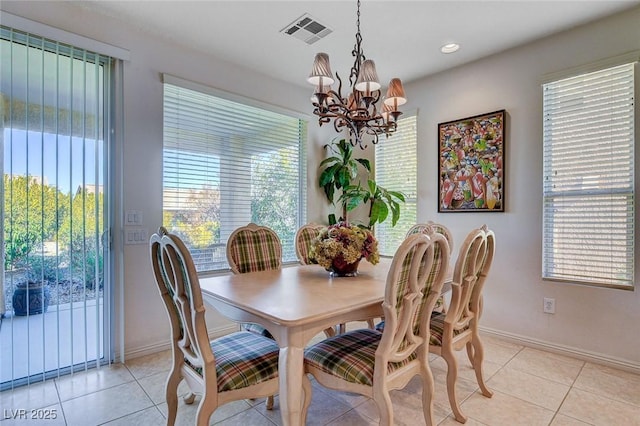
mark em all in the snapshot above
pixel 588 189
pixel 227 164
pixel 396 169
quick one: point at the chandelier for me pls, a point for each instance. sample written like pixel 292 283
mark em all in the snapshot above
pixel 361 112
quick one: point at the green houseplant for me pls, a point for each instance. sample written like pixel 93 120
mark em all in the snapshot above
pixel 340 172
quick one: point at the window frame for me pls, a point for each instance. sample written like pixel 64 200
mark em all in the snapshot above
pixel 547 272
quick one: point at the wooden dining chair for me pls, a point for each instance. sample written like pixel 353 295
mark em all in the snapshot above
pixel 254 248
pixel 303 239
pixel 237 366
pixel 373 363
pixel 458 327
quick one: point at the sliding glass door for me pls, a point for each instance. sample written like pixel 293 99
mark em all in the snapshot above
pixel 55 105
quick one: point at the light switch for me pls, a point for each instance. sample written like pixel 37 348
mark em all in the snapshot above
pixel 133 217
pixel 136 236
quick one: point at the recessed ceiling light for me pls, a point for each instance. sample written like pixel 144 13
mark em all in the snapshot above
pixel 450 48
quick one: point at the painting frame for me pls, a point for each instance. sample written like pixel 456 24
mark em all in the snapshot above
pixel 471 155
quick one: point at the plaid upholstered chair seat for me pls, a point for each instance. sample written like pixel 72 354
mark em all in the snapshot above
pixel 350 356
pixel 243 359
pixel 437 328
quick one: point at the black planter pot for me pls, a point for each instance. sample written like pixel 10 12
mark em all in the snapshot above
pixel 30 298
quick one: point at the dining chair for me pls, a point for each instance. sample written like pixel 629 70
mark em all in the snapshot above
pixel 372 363
pixel 253 248
pixel 237 366
pixel 303 239
pixel 458 327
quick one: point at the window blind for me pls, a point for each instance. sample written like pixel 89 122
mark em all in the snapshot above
pixel 227 164
pixel 588 188
pixel 396 169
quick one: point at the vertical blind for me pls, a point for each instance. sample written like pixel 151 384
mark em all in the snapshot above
pixel 55 115
pixel 396 169
pixel 227 164
pixel 588 188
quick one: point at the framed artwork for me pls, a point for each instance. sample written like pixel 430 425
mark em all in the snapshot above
pixel 471 164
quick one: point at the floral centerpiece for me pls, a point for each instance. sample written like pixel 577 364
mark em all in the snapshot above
pixel 340 247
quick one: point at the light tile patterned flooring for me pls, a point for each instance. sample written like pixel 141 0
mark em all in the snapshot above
pixel 531 387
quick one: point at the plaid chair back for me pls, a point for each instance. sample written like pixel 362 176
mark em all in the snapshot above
pixel 304 238
pixel 179 286
pixel 471 270
pixel 437 227
pixel 254 248
pixel 437 267
pixel 414 283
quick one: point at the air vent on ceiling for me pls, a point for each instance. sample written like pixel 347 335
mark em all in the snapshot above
pixel 307 29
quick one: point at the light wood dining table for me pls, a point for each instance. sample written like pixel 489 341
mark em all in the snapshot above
pixel 295 304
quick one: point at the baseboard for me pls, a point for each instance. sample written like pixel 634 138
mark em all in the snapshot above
pixel 164 346
pixel 596 358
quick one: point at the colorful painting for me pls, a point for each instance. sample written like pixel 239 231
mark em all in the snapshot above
pixel 471 164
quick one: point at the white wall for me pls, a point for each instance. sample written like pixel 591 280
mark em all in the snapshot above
pixel 601 321
pixel 588 319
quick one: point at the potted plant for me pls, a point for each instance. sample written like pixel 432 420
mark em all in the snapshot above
pixel 340 172
pixel 31 295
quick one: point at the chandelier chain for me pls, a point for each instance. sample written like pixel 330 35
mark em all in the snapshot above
pixel 358 17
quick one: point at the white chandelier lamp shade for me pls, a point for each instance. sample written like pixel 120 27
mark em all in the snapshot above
pixel 368 80
pixel 362 112
pixel 395 94
pixel 321 75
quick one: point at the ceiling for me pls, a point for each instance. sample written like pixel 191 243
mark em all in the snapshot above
pixel 403 37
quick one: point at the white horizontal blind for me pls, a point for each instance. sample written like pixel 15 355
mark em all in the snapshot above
pixel 227 164
pixel 588 190
pixel 396 169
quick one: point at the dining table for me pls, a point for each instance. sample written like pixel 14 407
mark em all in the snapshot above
pixel 294 304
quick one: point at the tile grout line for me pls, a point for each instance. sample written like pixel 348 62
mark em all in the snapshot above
pixel 64 417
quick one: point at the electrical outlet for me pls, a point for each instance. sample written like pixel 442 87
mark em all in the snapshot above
pixel 549 305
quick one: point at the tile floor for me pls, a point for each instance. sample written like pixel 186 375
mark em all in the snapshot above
pixel 531 387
